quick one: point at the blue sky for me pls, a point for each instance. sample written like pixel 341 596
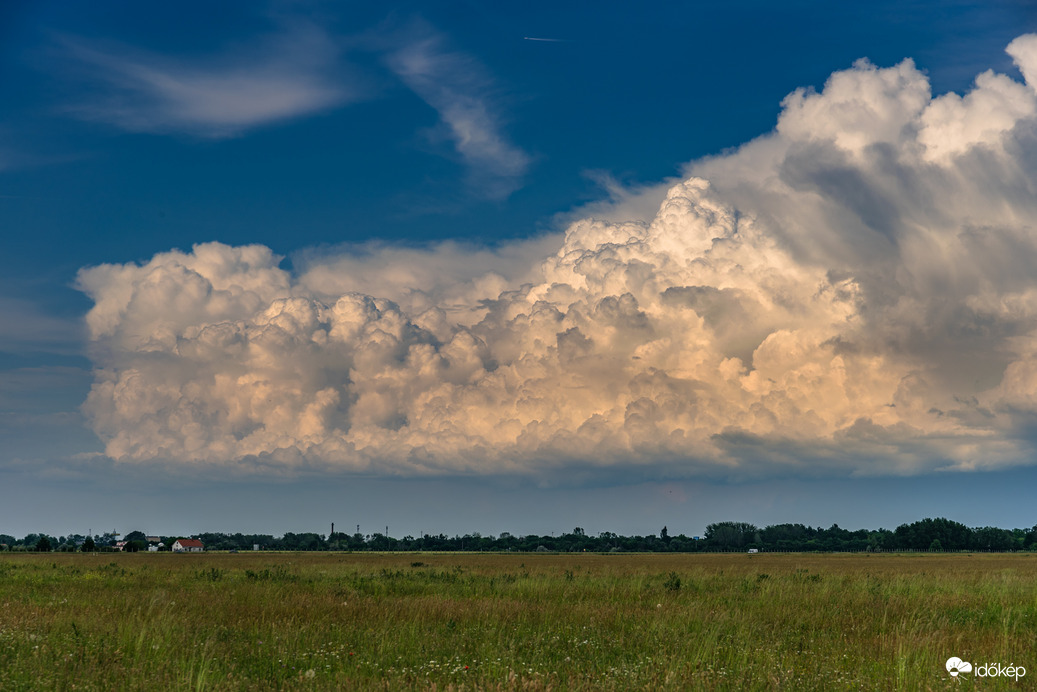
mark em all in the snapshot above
pixel 432 155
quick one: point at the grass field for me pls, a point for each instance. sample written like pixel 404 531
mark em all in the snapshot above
pixel 513 622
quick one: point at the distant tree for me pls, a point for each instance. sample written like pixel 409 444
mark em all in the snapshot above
pixel 882 539
pixel 664 534
pixel 992 538
pixel 88 545
pixel 303 541
pixel 135 546
pixel 936 546
pixel 43 545
pixel 730 534
pixel 136 536
pixel 919 535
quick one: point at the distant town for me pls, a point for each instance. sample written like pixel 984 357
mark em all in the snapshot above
pixel 936 535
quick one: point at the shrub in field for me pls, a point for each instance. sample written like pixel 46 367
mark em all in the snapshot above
pixel 277 573
pixel 211 574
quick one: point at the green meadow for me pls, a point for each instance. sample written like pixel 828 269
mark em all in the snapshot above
pixel 323 621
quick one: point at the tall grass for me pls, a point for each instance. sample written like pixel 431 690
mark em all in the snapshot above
pixel 522 622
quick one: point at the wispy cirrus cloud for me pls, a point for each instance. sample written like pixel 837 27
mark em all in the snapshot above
pixel 293 73
pixel 26 328
pixel 461 90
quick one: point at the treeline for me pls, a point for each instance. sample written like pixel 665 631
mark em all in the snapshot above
pixel 927 534
pixel 924 535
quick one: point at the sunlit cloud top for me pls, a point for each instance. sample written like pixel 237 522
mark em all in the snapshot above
pixel 852 292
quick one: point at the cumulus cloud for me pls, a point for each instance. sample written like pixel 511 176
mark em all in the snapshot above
pixel 288 75
pixel 453 277
pixel 850 293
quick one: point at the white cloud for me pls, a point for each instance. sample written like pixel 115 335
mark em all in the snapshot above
pixel 289 75
pixel 852 293
pixel 295 73
pixel 461 91
pixel 858 108
pixel 449 277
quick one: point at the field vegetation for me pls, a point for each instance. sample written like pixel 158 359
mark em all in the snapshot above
pixel 325 621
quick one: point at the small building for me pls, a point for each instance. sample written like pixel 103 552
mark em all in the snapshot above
pixel 188 545
pixel 120 545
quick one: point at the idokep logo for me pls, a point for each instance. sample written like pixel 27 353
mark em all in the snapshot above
pixel 955 666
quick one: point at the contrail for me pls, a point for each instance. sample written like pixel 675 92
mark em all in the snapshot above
pixel 548 40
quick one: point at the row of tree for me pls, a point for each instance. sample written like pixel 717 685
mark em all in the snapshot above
pixel 927 534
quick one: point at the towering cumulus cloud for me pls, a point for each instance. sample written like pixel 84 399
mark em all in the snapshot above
pixel 851 293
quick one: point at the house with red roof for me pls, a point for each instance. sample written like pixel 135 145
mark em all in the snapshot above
pixel 188 545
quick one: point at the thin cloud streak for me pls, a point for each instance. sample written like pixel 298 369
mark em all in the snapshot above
pixel 296 73
pixel 289 75
pixel 460 89
pixel 25 329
